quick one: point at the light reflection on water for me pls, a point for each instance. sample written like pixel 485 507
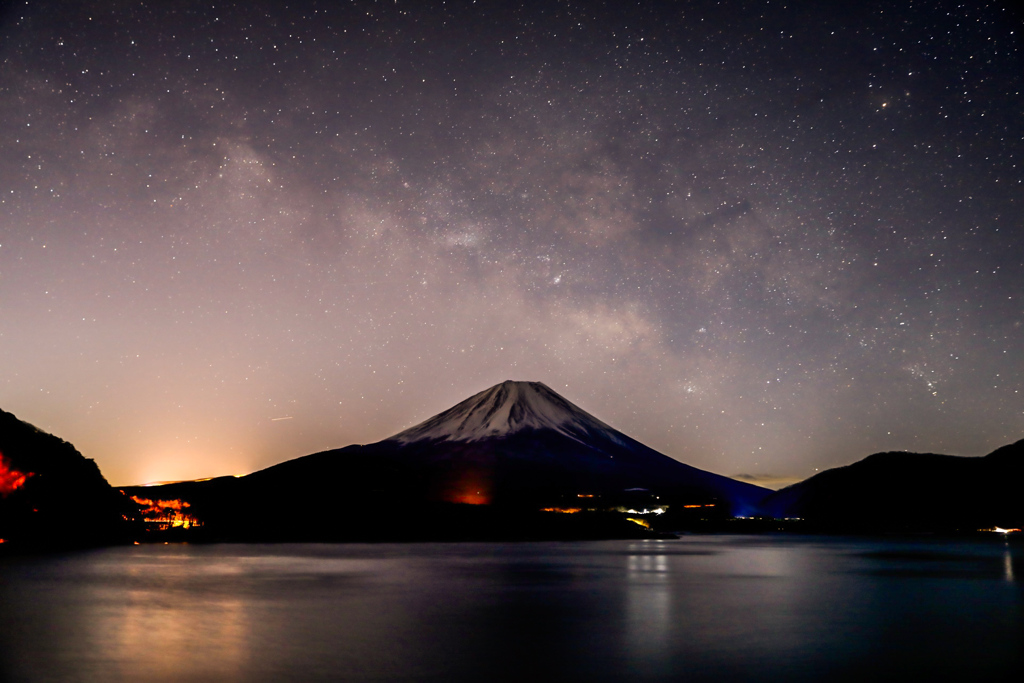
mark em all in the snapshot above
pixel 698 608
pixel 648 605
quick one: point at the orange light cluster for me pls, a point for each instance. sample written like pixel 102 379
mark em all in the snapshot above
pixel 584 495
pixel 709 505
pixel 11 479
pixel 166 512
pixel 159 506
pixel 564 511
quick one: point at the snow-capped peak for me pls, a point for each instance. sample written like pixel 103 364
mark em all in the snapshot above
pixel 505 409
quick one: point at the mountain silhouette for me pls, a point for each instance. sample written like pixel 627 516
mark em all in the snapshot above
pixel 483 468
pixel 52 497
pixel 901 491
pixel 521 441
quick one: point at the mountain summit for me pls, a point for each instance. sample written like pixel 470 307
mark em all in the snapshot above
pixel 506 409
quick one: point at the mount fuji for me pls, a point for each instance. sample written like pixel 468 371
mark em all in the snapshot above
pixel 521 441
pixel 508 451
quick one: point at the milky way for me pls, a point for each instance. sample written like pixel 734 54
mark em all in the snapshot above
pixel 763 240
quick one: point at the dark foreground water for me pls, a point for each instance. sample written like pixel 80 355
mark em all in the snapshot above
pixel 702 608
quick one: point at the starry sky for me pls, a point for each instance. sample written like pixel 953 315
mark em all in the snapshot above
pixel 763 238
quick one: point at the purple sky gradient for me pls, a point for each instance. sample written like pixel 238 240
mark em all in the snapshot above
pixel 763 241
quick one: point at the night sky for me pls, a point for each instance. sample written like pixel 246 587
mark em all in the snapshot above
pixel 762 238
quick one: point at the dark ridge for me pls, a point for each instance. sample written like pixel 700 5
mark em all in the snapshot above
pixel 61 500
pixel 910 492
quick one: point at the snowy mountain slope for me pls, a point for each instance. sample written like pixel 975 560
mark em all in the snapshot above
pixel 506 409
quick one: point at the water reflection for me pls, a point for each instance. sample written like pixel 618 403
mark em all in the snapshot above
pixel 648 606
pixel 212 637
pixel 700 608
pixel 153 629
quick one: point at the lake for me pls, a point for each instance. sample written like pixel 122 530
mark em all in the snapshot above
pixel 700 608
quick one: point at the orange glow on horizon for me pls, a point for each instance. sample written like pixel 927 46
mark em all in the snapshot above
pixel 11 479
pixel 470 498
pixel 564 511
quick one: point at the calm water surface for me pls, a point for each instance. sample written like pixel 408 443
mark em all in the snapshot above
pixel 700 608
